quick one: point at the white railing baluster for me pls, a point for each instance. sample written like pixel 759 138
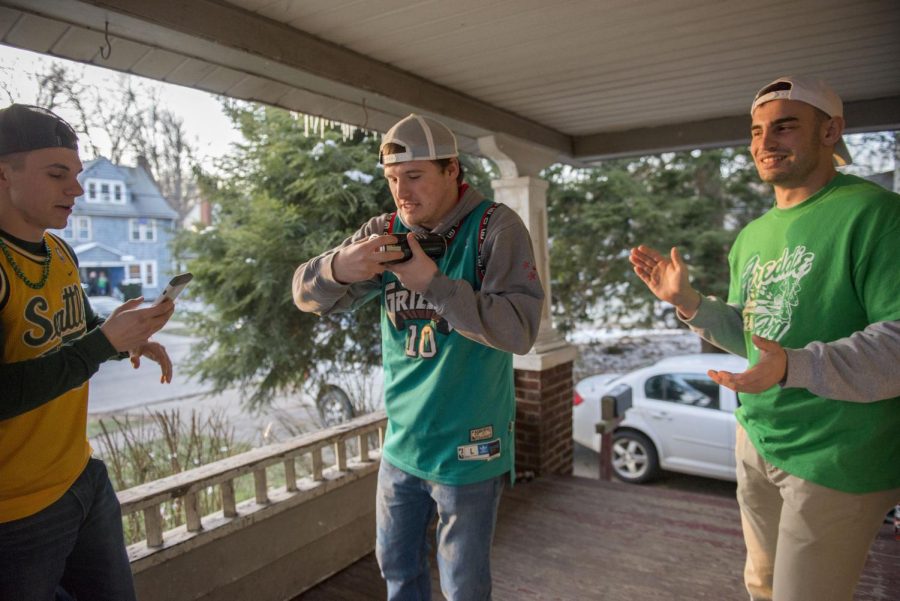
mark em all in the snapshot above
pixel 340 452
pixel 364 447
pixel 317 464
pixel 261 486
pixel 290 474
pixel 192 512
pixel 229 507
pixel 153 526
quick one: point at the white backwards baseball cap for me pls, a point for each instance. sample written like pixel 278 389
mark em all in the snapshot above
pixel 811 90
pixel 423 138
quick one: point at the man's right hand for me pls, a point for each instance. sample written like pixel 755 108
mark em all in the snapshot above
pixel 667 278
pixel 363 260
pixel 129 326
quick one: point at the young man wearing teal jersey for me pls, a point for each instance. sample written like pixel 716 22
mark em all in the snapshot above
pixel 814 304
pixel 60 522
pixel 449 327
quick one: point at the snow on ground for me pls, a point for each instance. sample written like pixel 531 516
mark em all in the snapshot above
pixel 618 351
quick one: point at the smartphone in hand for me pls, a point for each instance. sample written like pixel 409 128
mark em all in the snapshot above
pixel 174 287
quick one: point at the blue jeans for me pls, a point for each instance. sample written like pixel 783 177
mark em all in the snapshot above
pixel 76 544
pixel 405 508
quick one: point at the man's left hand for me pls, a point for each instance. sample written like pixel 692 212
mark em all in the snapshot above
pixel 155 352
pixel 769 371
pixel 417 272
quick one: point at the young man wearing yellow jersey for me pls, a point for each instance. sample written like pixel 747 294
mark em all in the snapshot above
pixel 60 522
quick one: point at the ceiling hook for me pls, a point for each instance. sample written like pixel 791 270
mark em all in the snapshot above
pixel 106 49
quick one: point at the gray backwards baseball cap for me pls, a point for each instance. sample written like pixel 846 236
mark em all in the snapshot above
pixel 423 138
pixel 811 90
pixel 24 127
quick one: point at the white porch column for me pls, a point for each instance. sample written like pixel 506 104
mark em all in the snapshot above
pixel 543 377
pixel 520 188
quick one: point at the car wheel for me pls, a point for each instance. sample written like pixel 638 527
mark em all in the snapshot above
pixel 334 406
pixel 634 457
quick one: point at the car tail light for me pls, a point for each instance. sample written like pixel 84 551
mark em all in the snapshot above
pixel 577 399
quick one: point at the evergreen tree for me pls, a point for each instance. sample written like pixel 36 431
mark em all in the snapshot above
pixel 697 201
pixel 284 196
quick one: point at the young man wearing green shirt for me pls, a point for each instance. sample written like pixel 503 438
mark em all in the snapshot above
pixel 814 304
pixel 449 327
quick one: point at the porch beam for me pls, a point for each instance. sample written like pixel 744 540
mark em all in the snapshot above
pixel 880 114
pixel 228 36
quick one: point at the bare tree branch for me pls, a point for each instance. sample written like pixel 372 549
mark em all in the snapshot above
pixel 138 128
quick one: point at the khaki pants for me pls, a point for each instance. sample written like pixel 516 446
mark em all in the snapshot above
pixel 822 535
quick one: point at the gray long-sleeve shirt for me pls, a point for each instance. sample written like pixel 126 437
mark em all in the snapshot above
pixel 862 367
pixel 504 313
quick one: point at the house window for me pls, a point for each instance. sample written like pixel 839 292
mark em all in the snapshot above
pixel 102 190
pixel 144 271
pixel 78 228
pixel 142 230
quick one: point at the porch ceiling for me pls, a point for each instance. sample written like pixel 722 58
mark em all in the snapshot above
pixel 586 78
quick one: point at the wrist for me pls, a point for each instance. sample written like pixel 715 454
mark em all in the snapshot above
pixel 688 304
pixel 784 376
pixel 336 269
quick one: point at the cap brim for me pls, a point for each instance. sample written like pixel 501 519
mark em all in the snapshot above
pixel 842 154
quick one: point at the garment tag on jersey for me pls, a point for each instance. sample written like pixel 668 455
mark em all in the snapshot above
pixel 483 451
pixel 483 433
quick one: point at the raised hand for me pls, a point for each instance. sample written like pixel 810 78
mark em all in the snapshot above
pixel 666 277
pixel 362 260
pixel 769 371
pixel 131 325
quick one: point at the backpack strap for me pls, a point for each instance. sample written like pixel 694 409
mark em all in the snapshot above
pixel 482 234
pixel 389 223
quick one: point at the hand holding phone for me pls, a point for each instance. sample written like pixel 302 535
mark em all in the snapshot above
pixel 174 287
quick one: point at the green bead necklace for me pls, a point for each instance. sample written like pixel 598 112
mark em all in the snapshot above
pixel 18 270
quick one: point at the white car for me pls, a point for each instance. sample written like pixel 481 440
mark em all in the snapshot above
pixel 343 392
pixel 676 419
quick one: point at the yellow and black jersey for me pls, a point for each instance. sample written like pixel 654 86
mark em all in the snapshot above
pixel 44 448
pixel 35 321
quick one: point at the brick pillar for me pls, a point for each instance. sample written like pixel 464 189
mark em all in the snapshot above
pixel 544 420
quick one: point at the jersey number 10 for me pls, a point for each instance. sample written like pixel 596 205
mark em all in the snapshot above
pixel 421 343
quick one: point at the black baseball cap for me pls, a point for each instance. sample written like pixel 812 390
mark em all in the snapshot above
pixel 24 127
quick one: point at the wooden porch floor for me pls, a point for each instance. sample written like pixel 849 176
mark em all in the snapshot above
pixel 573 539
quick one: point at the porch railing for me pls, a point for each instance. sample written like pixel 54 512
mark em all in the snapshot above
pixel 356 453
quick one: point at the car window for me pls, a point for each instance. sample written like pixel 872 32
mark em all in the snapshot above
pixel 686 389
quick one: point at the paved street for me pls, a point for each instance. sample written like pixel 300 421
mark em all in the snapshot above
pixel 118 386
pixel 118 389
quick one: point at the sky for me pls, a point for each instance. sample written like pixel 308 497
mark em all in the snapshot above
pixel 207 127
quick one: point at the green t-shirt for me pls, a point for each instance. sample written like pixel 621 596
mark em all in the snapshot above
pixel 821 271
pixel 450 401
